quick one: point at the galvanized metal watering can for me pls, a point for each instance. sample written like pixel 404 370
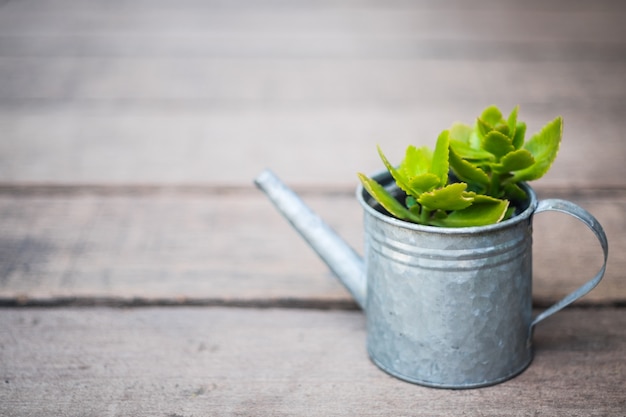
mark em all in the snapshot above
pixel 445 307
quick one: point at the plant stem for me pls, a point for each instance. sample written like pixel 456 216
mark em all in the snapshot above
pixel 494 186
pixel 425 216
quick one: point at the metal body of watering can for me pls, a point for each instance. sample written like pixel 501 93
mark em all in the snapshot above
pixel 445 307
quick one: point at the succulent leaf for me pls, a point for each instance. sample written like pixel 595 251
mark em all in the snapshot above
pixel 490 158
pixel 486 199
pixel 544 147
pixel 520 132
pixel 514 161
pixel 478 214
pixel 465 151
pixel 502 128
pixel 475 139
pixel 512 124
pixel 460 132
pixel 424 183
pixel 417 161
pixel 515 192
pixel 450 197
pixel 440 166
pixel 467 171
pixel 492 116
pixel 497 143
pixel 483 127
pixel 401 180
pixel 388 201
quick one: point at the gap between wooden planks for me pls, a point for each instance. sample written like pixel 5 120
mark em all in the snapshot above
pixel 221 246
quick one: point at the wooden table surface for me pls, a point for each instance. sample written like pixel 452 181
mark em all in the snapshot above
pixel 142 274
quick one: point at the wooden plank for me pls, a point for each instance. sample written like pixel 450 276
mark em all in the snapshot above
pixel 563 6
pixel 487 23
pixel 219 247
pixel 215 361
pixel 481 29
pixel 313 82
pixel 174 248
pixel 319 145
pixel 74 116
pixel 395 47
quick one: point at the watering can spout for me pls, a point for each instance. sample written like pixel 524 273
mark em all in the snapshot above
pixel 345 263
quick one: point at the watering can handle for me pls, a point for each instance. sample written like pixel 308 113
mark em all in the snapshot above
pixel 584 216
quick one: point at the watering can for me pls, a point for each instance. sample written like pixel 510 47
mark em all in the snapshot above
pixel 445 307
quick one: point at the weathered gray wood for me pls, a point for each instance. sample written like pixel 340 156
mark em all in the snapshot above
pixel 307 47
pixel 170 247
pixel 323 144
pixel 484 23
pixel 94 6
pixel 401 29
pixel 213 92
pixel 195 96
pixel 208 246
pixel 223 362
pixel 306 82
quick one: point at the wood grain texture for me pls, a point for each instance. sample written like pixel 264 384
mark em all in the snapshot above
pixel 132 130
pixel 213 92
pixel 183 144
pixel 307 46
pixel 236 362
pixel 313 83
pixel 479 20
pixel 232 247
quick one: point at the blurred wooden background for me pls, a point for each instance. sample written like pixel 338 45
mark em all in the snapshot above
pixel 210 92
pixel 132 132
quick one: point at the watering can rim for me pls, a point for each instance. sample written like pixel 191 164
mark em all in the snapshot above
pixel 384 178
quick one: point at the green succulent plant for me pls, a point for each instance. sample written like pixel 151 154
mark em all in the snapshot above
pixel 473 173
